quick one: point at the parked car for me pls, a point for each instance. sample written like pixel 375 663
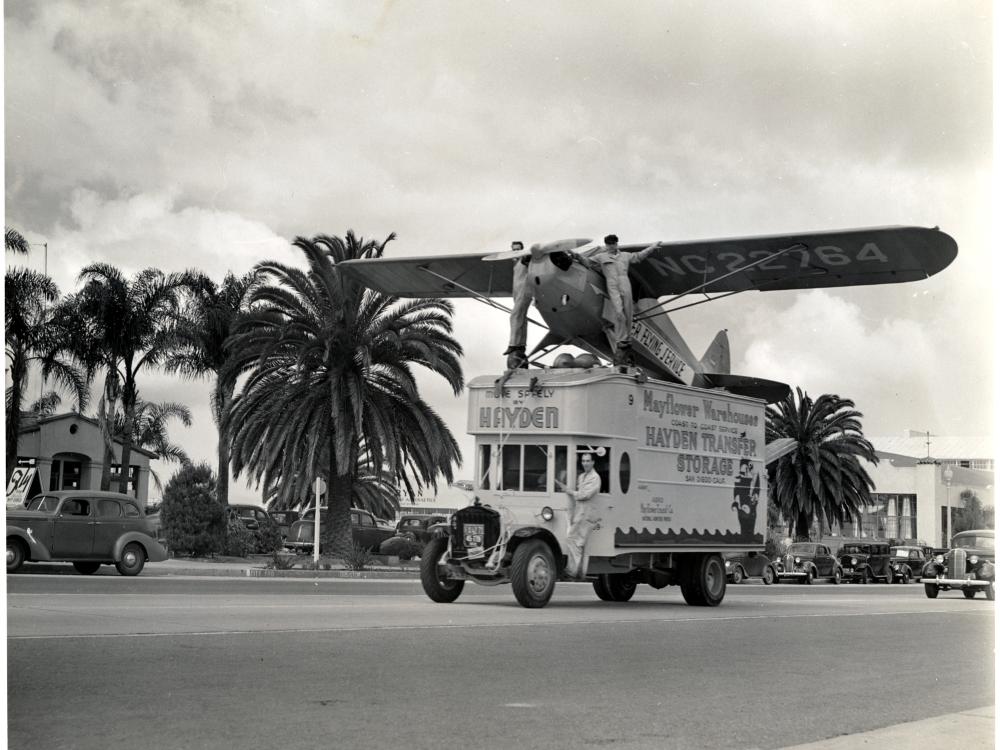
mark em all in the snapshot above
pixel 366 532
pixel 418 525
pixel 970 565
pixel 252 516
pixel 85 527
pixel 907 563
pixel 807 561
pixel 864 562
pixel 741 565
pixel 284 519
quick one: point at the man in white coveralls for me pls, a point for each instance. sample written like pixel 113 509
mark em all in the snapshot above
pixel 584 515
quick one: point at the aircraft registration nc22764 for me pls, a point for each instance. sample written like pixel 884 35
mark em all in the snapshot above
pixel 677 443
pixel 569 293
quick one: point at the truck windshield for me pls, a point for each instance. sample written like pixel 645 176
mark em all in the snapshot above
pixel 524 468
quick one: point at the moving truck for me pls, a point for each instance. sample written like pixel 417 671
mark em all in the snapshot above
pixel 682 481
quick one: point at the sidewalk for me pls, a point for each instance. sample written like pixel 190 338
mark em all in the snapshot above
pixel 256 567
pixel 970 730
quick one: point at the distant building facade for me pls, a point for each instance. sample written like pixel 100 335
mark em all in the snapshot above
pixel 67 452
pixel 918 479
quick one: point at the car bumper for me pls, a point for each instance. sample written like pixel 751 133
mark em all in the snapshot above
pixel 959 583
pixel 793 574
pixel 300 547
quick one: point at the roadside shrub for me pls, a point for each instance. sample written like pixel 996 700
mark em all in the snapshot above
pixel 358 558
pixel 192 520
pixel 240 541
pixel 282 560
pixel 267 538
pixel 406 547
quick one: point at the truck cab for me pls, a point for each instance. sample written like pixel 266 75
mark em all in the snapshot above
pixel 681 474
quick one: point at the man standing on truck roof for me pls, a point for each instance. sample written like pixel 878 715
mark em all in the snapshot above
pixel 584 516
pixel 618 309
pixel 516 353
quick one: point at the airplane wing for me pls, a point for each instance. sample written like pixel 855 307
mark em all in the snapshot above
pixel 881 255
pixel 434 276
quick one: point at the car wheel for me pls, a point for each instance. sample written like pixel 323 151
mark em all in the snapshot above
pixel 87 568
pixel 809 577
pixel 703 580
pixel 533 574
pixel 931 590
pixel 837 575
pixel 133 559
pixel 865 576
pixel 438 589
pixel 989 591
pixel 969 593
pixel 905 577
pixel 738 575
pixel 15 554
pixel 769 575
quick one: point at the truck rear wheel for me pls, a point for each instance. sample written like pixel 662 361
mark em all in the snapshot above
pixel 438 589
pixel 703 580
pixel 614 587
pixel 533 574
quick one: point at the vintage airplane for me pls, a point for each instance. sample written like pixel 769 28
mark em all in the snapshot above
pixel 569 292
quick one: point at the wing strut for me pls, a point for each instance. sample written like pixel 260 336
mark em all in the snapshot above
pixel 476 295
pixel 741 269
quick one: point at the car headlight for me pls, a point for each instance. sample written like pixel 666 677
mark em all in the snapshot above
pixel 895 566
pixel 854 561
pixel 798 560
pixel 547 514
pixel 974 559
pixel 728 563
pixel 939 558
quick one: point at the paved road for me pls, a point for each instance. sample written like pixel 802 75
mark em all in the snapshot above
pixel 109 662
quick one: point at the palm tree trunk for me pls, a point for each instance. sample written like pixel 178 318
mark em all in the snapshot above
pixel 337 534
pixel 128 401
pixel 18 371
pixel 224 397
pixel 109 404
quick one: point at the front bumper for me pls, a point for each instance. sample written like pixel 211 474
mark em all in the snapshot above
pixel 959 583
pixel 793 574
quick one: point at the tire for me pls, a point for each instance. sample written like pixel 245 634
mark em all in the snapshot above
pixel 866 577
pixel 769 575
pixel 16 554
pixel 602 590
pixel 905 577
pixel 990 594
pixel 133 560
pixel 533 574
pixel 87 568
pixel 931 590
pixel 837 576
pixel 620 587
pixel 438 589
pixel 738 575
pixel 969 593
pixel 703 581
pixel 809 577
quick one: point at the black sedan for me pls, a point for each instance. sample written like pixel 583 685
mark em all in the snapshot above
pixel 743 565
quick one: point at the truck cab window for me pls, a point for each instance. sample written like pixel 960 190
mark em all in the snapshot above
pixel 602 463
pixel 525 468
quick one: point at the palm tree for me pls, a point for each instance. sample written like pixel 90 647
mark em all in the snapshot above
pixel 823 476
pixel 30 335
pixel 374 489
pixel 329 382
pixel 121 327
pixel 202 331
pixel 14 241
pixel 149 431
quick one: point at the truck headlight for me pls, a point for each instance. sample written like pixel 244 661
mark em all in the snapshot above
pixel 547 514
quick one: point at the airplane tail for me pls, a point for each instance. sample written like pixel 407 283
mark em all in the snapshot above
pixel 716 358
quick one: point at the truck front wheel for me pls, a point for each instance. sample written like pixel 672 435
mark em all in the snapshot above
pixel 703 580
pixel 614 587
pixel 533 573
pixel 438 589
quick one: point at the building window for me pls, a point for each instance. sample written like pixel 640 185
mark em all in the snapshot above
pixel 133 478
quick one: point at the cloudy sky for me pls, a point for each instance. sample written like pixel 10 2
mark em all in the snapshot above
pixel 209 135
